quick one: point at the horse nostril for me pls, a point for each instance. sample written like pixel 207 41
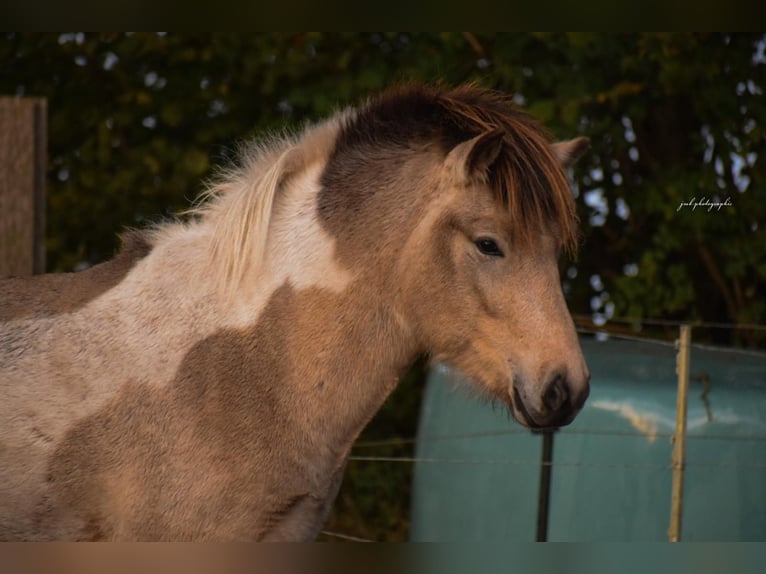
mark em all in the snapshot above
pixel 556 394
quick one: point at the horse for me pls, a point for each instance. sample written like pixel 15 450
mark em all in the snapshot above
pixel 209 381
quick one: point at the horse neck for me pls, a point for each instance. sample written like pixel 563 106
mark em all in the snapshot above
pixel 347 353
pixel 318 337
pixel 350 339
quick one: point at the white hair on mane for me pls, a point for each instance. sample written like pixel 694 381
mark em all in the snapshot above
pixel 240 207
pixel 240 202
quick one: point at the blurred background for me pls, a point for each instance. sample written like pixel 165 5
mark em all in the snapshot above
pixel 138 121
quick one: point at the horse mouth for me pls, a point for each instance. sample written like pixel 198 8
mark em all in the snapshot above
pixel 522 411
pixel 522 415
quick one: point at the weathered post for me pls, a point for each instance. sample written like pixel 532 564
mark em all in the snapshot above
pixel 23 143
pixel 679 437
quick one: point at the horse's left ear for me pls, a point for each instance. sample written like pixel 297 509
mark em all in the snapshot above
pixel 570 151
pixel 473 158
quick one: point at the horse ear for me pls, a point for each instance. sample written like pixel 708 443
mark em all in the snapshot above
pixel 473 158
pixel 570 151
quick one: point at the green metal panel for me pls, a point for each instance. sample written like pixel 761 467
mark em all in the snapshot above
pixel 725 487
pixel 611 474
pixel 457 499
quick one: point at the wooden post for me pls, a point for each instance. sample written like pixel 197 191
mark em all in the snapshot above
pixel 679 438
pixel 22 185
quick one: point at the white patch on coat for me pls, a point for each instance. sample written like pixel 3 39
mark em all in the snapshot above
pixel 300 252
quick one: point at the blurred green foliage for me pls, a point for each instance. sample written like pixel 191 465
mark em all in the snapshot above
pixel 137 122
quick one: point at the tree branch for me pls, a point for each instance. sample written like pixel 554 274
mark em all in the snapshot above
pixel 718 279
pixel 474 42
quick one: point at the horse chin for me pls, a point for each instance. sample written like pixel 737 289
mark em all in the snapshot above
pixel 520 412
pixel 495 390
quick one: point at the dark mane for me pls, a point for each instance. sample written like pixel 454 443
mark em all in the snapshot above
pixel 527 177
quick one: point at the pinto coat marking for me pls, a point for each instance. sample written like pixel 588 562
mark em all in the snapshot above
pixel 209 382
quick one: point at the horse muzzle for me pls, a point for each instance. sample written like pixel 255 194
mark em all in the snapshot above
pixel 554 405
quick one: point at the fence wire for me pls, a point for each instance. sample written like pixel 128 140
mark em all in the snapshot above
pixel 594 432
pixel 603 332
pixel 676 323
pixel 598 331
pixel 536 463
pixel 346 537
pixel 671 344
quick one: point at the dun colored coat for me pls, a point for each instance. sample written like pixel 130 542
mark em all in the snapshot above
pixel 209 381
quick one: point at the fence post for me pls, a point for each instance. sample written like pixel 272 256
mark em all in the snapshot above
pixel 544 495
pixel 22 185
pixel 679 438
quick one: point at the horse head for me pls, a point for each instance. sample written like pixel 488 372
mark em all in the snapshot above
pixel 482 280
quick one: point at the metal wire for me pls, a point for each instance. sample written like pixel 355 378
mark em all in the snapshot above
pixel 594 432
pixel 742 326
pixel 701 346
pixel 536 463
pixel 581 464
pixel 345 536
pixel 659 342
pixel 735 350
pixel 676 323
pixel 632 338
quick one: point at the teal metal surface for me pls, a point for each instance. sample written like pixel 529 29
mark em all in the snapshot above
pixel 477 478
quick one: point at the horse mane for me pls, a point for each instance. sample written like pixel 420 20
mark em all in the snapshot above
pixel 239 203
pixel 527 178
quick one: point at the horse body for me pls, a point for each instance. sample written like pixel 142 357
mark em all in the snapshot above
pixel 209 382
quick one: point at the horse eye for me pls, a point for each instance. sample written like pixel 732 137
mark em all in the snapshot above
pixel 488 247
